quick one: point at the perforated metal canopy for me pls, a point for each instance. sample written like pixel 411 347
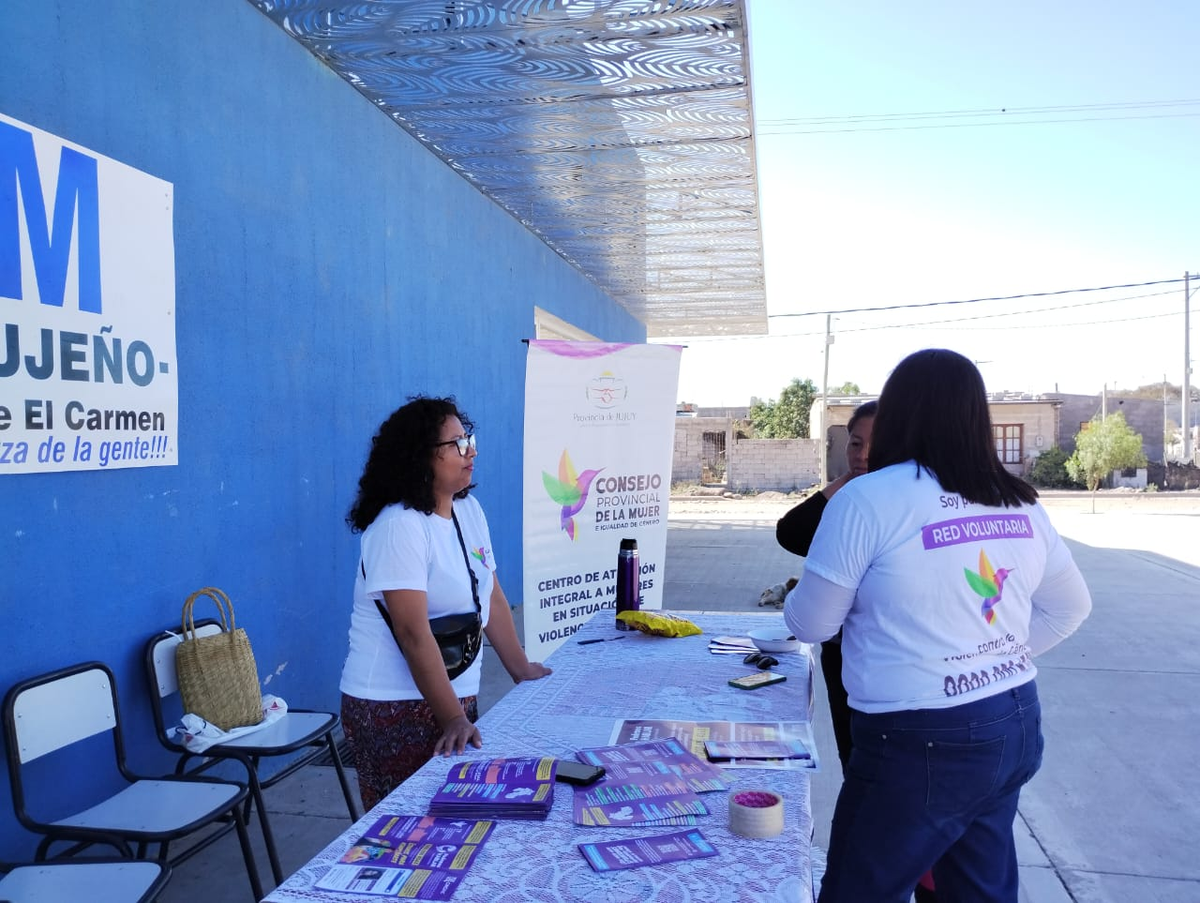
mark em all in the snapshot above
pixel 618 131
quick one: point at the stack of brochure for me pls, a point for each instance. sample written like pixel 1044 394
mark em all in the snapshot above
pixel 497 788
pixel 650 783
pixel 731 645
pixel 794 751
pixel 724 750
pixel 656 760
pixel 409 857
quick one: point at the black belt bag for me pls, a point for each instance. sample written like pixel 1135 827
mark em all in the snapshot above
pixel 460 636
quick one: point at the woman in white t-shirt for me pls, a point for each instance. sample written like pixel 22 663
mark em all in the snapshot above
pixel 425 553
pixel 946 578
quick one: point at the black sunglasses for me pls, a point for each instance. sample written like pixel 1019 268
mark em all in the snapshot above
pixel 463 442
pixel 761 659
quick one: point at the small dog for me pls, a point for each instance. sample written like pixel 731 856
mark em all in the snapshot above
pixel 774 595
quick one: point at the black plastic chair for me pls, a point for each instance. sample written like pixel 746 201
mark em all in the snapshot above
pixel 60 710
pixel 300 731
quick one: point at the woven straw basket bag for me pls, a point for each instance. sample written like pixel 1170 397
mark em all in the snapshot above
pixel 218 678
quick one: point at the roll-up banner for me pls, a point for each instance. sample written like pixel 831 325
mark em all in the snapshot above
pixel 599 435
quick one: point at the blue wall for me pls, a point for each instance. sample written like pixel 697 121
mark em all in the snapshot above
pixel 327 266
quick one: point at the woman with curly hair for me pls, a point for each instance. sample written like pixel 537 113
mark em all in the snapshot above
pixel 425 553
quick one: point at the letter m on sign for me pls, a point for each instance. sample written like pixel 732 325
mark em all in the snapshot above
pixel 49 247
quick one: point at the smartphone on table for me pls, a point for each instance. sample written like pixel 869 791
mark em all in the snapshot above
pixel 756 680
pixel 577 773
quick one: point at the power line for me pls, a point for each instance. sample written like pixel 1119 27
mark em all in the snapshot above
pixel 868 123
pixel 945 324
pixel 935 325
pixel 1020 313
pixel 1072 324
pixel 986 111
pixel 1068 291
pixel 968 125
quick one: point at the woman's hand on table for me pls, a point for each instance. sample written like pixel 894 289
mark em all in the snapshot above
pixel 531 671
pixel 503 634
pixel 455 737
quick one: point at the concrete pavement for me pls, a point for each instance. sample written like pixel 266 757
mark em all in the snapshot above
pixel 1114 814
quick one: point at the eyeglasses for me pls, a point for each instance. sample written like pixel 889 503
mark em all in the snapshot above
pixel 463 442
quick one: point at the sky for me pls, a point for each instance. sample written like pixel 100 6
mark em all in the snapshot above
pixel 1071 161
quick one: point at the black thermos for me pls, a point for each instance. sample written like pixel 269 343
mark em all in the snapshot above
pixel 629 597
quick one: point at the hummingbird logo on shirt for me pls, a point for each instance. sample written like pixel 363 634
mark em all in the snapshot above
pixel 570 490
pixel 480 555
pixel 988 583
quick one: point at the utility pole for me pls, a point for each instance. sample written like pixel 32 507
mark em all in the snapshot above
pixel 1187 371
pixel 824 446
pixel 1164 413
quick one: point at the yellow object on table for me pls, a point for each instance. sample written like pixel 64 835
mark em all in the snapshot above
pixel 657 623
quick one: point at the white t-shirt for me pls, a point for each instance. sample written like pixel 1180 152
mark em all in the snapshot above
pixel 944 590
pixel 407 549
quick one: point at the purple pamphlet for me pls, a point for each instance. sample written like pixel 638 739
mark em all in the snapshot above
pixel 651 783
pixel 756 749
pixel 639 851
pixel 497 788
pixel 655 761
pixel 412 857
pixel 693 735
pixel 393 830
pixel 634 804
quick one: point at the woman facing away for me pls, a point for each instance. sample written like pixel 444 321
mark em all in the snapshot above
pixel 425 553
pixel 947 579
pixel 795 532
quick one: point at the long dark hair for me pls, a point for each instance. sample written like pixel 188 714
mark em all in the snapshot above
pixel 933 410
pixel 400 466
pixel 866 409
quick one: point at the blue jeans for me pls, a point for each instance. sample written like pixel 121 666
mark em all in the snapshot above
pixel 934 788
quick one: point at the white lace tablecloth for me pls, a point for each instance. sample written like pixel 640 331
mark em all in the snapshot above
pixel 592 687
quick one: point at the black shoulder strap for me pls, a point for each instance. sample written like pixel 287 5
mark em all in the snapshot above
pixel 467 561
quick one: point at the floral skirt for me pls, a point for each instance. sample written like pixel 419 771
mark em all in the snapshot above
pixel 390 740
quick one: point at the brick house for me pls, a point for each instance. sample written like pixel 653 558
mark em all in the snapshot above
pixel 1023 426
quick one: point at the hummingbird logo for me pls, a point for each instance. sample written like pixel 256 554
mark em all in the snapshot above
pixel 480 555
pixel 989 583
pixel 570 490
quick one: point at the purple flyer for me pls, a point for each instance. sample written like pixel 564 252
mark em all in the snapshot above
pixel 756 749
pixel 638 851
pixel 652 761
pixel 394 830
pixel 627 805
pixel 497 788
pixel 413 857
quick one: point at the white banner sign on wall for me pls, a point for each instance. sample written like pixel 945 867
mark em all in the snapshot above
pixel 87 309
pixel 599 434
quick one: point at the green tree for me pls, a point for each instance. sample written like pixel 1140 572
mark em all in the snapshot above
pixel 786 418
pixel 1049 470
pixel 1102 447
pixel 846 388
